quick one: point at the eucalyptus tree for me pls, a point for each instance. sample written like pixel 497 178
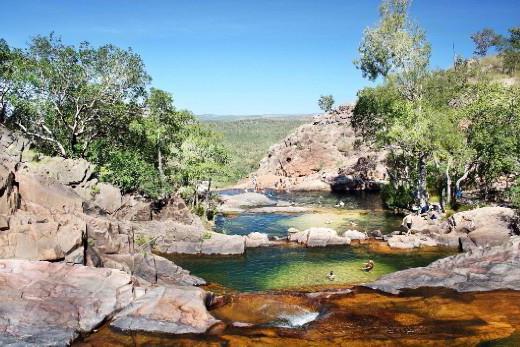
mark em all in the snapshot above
pixel 325 102
pixel 397 51
pixel 72 96
pixel 162 126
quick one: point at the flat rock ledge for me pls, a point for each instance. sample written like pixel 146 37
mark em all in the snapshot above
pixel 50 304
pixel 479 269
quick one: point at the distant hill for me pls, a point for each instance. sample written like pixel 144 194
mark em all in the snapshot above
pixel 249 138
pixel 219 117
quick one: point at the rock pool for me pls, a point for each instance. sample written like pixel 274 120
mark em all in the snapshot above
pixel 292 267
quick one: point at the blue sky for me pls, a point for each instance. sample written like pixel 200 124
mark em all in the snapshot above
pixel 250 56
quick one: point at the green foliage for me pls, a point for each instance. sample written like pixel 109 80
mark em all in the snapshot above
pixel 128 171
pixel 514 194
pixel 325 102
pixel 92 102
pixel 510 50
pixel 70 96
pixel 484 40
pixel 399 197
pixel 200 156
pixel 247 141
pixel 396 46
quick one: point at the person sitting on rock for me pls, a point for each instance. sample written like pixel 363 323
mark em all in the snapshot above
pixel 331 276
pixel 368 266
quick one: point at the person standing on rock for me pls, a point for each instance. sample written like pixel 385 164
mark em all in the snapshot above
pixel 255 183
pixel 408 220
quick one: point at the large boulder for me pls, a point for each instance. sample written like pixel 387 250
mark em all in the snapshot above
pixel 479 269
pixel 216 243
pixel 108 197
pixel 256 239
pixel 47 193
pixel 355 235
pixel 246 200
pixel 69 172
pixel 172 310
pixel 411 241
pixel 48 240
pixel 50 304
pixel 318 237
pixel 486 226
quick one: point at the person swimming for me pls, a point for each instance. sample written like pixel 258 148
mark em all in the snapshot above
pixel 368 266
pixel 331 276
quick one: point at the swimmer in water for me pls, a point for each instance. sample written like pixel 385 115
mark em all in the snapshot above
pixel 331 276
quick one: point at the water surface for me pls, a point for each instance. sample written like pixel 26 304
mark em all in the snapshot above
pixel 275 268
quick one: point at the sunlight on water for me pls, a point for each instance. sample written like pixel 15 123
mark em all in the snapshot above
pixel 281 268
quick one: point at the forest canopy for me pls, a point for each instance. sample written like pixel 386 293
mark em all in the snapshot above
pixel 95 103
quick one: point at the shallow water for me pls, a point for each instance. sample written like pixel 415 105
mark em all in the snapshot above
pixel 275 268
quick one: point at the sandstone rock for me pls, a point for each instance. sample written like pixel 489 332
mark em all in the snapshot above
pixel 411 241
pixel 375 234
pixel 246 200
pixel 319 237
pixel 108 197
pixel 50 304
pixel 55 197
pixel 218 243
pixel 355 235
pixel 69 172
pixel 152 268
pixel 256 239
pixel 42 241
pixel 172 310
pixel 322 155
pixel 480 269
pixel 486 226
pixel 9 196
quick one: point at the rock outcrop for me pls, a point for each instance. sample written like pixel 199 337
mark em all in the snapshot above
pixel 481 227
pixel 171 310
pixel 50 304
pixel 317 237
pixel 256 239
pixel 480 269
pixel 322 155
pixel 54 209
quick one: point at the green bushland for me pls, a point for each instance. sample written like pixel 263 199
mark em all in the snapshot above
pixel 97 103
pixel 444 130
pixel 248 139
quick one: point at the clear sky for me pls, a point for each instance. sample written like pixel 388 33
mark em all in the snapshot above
pixel 249 56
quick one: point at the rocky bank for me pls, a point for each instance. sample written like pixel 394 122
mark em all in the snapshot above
pixel 323 155
pixel 74 252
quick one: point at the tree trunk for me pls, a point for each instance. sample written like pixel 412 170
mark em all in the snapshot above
pixel 3 112
pixel 448 186
pixel 422 193
pixel 160 163
pixel 467 170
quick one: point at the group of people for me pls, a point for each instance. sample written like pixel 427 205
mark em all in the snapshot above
pixel 367 267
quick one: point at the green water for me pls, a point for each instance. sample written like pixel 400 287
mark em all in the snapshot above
pixel 289 267
pixel 282 268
